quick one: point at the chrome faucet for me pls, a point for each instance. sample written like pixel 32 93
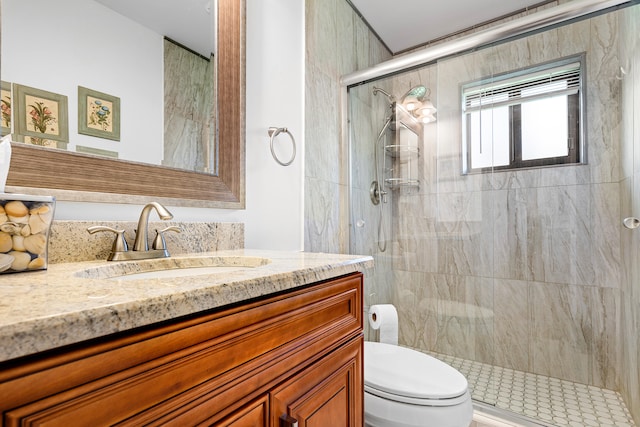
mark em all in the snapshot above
pixel 142 233
pixel 120 250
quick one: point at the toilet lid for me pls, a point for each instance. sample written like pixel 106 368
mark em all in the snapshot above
pixel 406 373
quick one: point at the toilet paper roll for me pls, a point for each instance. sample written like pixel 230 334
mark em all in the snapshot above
pixel 384 318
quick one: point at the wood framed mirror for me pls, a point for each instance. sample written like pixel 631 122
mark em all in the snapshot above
pixel 88 178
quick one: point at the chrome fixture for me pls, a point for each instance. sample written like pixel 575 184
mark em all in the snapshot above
pixel 142 233
pixel 375 192
pixel 516 27
pixel 376 90
pixel 414 97
pixel 273 132
pixel 631 223
pixel 416 102
pixel 120 249
pixel 405 119
pixel 159 243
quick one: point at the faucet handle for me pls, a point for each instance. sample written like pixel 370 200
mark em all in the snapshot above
pixel 159 242
pixel 119 244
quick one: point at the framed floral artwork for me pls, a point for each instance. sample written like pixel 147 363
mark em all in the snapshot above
pixel 5 108
pixel 96 151
pixel 40 114
pixel 42 142
pixel 98 114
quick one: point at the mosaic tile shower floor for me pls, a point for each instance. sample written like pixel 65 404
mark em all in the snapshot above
pixel 548 401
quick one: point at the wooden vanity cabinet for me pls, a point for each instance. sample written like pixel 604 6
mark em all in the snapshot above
pixel 297 354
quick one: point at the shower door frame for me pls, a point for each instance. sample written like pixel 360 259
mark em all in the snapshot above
pixel 527 25
pixel 538 21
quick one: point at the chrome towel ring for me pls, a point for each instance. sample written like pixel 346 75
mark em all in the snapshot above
pixel 273 132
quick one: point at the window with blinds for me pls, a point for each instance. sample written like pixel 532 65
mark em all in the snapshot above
pixel 528 118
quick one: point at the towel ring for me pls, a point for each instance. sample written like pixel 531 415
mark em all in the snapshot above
pixel 273 132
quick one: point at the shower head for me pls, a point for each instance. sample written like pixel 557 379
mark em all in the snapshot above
pixel 414 97
pixel 416 92
pixel 415 102
pixel 385 93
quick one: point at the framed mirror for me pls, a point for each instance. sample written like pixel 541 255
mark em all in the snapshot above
pixel 88 177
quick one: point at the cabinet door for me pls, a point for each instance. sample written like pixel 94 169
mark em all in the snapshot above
pixel 196 370
pixel 328 393
pixel 254 414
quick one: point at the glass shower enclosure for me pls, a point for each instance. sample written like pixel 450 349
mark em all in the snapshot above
pixel 511 275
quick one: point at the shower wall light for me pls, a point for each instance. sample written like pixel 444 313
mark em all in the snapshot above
pixel 416 102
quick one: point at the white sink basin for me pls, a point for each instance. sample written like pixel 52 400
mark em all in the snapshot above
pixel 173 267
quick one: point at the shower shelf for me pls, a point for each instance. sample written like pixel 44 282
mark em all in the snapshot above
pixel 394 183
pixel 400 150
pixel 404 174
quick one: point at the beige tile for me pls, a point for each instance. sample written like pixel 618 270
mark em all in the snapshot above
pixel 465 233
pixel 512 244
pixel 560 332
pixel 416 239
pixel 511 324
pixel 464 309
pixel 605 234
pixel 321 35
pixel 363 133
pixel 322 207
pixel 415 295
pixel 322 140
pixel 605 306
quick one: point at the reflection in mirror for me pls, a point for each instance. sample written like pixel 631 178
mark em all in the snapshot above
pixel 189 109
pixel 121 63
pixel 116 109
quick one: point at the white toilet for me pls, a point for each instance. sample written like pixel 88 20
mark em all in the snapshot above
pixel 406 388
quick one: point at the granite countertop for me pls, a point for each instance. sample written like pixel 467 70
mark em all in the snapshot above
pixel 74 302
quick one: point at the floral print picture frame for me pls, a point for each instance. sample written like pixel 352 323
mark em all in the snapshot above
pixel 6 116
pixel 40 115
pixel 98 114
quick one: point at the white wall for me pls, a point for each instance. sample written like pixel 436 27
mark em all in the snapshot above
pixel 275 97
pixel 90 46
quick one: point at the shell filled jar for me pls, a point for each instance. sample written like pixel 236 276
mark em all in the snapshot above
pixel 25 222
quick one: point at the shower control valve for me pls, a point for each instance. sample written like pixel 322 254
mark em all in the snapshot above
pixel 375 192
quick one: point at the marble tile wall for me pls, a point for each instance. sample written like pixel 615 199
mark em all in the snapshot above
pixel 188 109
pixel 339 42
pixel 630 206
pixel 517 269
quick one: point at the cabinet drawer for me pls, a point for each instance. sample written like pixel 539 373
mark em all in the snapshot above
pixel 175 369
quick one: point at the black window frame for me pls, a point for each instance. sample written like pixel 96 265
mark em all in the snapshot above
pixel 575 129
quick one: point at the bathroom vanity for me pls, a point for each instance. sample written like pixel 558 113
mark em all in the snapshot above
pixel 268 344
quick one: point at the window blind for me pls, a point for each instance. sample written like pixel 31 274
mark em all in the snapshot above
pixel 561 80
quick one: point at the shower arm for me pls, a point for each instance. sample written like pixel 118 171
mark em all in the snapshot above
pixel 391 98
